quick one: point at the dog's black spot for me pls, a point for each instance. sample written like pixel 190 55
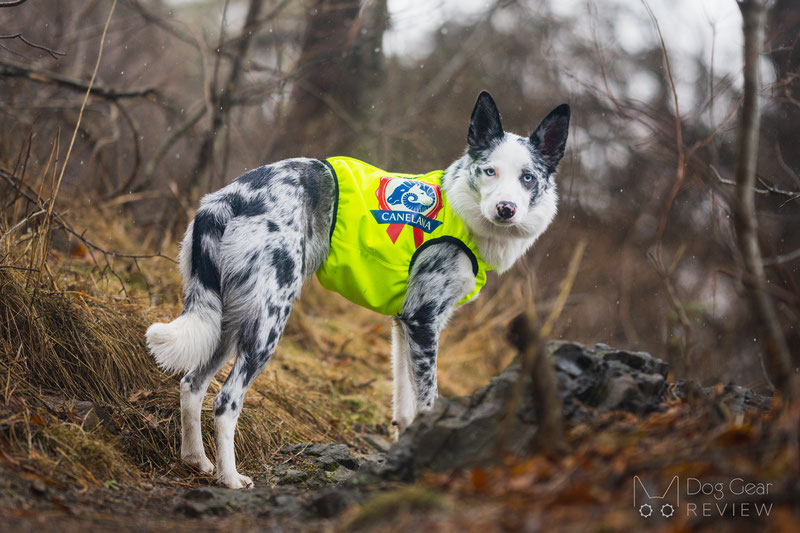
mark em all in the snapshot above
pixel 253 363
pixel 274 333
pixel 421 368
pixel 303 258
pixel 272 227
pixel 423 336
pixel 257 178
pixel 189 379
pixel 233 406
pixel 203 267
pixel 424 314
pixel 253 259
pixel 284 267
pixel 221 403
pixel 273 310
pixel 286 310
pixel 436 265
pixel 248 336
pixel 420 325
pixel 242 207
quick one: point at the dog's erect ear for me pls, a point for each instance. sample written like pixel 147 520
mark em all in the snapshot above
pixel 551 136
pixel 484 125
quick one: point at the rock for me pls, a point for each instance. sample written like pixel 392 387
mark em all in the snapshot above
pixel 461 432
pixel 326 456
pixel 214 501
pixel 379 443
pixel 289 476
pixel 328 503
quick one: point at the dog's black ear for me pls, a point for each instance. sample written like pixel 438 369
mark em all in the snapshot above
pixel 551 136
pixel 484 124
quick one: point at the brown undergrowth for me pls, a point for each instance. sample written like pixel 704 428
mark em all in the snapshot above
pixel 80 398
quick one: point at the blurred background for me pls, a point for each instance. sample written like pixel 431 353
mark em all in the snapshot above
pixel 190 94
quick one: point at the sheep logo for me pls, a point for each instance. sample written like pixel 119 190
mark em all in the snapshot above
pixel 414 196
pixel 408 202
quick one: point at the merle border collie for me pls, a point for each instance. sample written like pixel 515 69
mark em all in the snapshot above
pixel 254 243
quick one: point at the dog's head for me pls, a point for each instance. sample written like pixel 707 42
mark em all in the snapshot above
pixel 511 177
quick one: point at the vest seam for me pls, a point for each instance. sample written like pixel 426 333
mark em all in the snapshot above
pixel 335 197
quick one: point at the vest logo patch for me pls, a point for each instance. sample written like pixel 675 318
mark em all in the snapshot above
pixel 406 202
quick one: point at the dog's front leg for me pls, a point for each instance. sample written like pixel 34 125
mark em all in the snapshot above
pixel 441 276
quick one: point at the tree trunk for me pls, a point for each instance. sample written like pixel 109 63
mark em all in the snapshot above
pixel 774 349
pixel 524 335
pixel 340 65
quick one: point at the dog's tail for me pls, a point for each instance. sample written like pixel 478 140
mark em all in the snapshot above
pixel 190 340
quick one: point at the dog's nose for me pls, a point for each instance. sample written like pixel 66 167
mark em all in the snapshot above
pixel 506 210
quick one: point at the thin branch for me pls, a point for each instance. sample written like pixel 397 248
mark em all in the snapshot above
pixel 680 172
pixel 767 190
pixel 53 53
pixel 22 223
pixel 11 70
pixel 781 259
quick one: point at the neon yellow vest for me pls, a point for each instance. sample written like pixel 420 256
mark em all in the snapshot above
pixel 383 220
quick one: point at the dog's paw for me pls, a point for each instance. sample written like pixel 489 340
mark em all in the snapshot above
pixel 200 461
pixel 236 481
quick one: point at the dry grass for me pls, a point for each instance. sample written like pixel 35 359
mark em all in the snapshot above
pixel 75 338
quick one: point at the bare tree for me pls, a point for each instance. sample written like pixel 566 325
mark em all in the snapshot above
pixel 775 350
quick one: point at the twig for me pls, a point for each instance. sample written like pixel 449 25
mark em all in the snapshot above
pixel 768 189
pixel 42 76
pixel 21 223
pixel 80 236
pixel 680 172
pixel 53 53
pixel 780 259
pixel 13 267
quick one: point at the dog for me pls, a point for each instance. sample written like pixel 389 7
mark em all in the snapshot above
pixel 253 244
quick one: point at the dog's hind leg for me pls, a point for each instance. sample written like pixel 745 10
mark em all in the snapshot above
pixel 259 335
pixel 262 276
pixel 194 386
pixel 441 276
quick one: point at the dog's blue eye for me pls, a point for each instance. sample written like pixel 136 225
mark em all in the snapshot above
pixel 489 171
pixel 527 178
